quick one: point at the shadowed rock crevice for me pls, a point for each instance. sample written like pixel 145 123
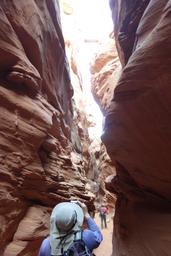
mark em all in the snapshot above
pixel 126 16
pixel 136 130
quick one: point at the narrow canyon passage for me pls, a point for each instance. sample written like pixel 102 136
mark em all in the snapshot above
pixel 57 145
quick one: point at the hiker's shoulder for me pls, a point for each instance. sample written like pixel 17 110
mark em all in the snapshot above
pixel 46 241
pixel 92 237
pixel 45 247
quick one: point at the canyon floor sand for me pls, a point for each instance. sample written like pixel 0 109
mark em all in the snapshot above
pixel 105 249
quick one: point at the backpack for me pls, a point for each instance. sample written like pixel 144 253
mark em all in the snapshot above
pixel 78 247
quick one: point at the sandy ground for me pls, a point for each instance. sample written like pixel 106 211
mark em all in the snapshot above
pixel 105 248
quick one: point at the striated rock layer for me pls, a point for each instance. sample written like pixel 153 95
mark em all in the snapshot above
pixel 39 142
pixel 137 129
pixel 107 170
pixel 105 72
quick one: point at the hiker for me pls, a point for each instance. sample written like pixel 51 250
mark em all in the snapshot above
pixel 103 211
pixel 66 226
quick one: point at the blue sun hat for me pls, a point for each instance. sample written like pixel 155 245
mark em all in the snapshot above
pixel 65 222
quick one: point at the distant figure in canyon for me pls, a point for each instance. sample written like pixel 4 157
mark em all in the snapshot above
pixel 103 211
pixel 67 236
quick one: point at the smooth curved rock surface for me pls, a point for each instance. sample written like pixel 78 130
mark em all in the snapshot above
pixel 137 133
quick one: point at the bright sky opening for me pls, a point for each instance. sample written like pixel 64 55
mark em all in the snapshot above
pixel 92 23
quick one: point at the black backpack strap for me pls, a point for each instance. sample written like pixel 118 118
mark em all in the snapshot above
pixel 81 234
pixel 77 235
pixel 87 251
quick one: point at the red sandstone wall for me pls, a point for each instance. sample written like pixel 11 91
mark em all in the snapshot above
pixel 37 169
pixel 137 129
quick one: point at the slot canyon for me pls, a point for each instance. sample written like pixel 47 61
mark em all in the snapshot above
pixel 49 152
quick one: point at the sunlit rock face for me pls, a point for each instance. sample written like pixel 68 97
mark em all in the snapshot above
pixel 105 72
pixel 38 141
pixel 137 130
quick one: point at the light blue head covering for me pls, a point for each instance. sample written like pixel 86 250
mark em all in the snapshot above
pixel 66 219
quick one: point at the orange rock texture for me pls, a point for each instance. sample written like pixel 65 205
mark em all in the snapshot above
pixel 41 153
pixel 105 72
pixel 107 170
pixel 137 128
